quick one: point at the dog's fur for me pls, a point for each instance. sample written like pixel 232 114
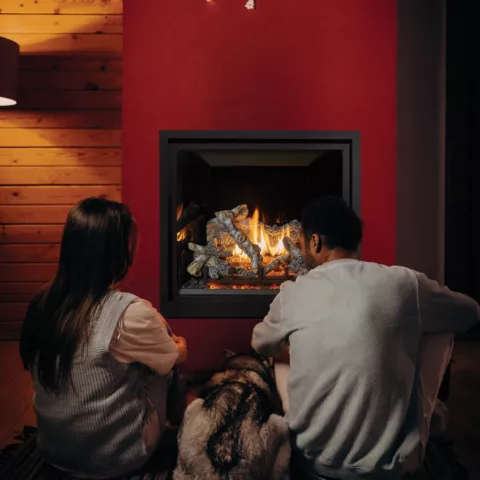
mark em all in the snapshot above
pixel 232 432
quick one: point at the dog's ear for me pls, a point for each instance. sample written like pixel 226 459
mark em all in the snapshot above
pixel 228 353
pixel 268 361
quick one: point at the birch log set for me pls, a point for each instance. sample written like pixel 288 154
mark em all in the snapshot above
pixel 202 255
pixel 276 263
pixel 226 217
pixel 241 272
pixel 217 232
pixel 217 268
pixel 297 264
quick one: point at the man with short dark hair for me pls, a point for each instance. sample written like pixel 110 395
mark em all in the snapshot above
pixel 360 390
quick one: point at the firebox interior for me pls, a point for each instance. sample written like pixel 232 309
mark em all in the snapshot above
pixel 275 183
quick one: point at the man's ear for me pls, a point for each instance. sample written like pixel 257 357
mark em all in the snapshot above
pixel 317 242
pixel 322 242
pixel 228 353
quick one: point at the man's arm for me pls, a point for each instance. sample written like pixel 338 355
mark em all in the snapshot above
pixel 444 311
pixel 268 337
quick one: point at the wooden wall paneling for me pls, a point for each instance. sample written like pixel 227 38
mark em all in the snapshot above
pixel 13 311
pixel 60 175
pixel 30 234
pixel 67 63
pixel 70 80
pixel 27 272
pixel 62 142
pixel 71 100
pixel 98 119
pixel 60 23
pixel 70 7
pixel 34 214
pixel 10 331
pixel 29 253
pixel 66 157
pixel 55 195
pixel 78 43
pixel 19 292
pixel 59 137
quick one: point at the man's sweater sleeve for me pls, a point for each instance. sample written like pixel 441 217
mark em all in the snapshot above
pixel 444 311
pixel 268 336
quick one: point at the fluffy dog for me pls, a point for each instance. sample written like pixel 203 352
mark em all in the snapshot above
pixel 233 431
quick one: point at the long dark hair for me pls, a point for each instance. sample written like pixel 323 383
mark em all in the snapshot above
pixel 97 250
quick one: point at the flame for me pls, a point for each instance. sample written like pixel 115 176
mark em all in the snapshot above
pixel 214 286
pixel 184 232
pixel 179 210
pixel 258 236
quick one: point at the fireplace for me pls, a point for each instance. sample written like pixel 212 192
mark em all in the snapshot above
pixel 230 213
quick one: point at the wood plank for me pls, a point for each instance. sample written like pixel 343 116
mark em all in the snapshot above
pixel 16 389
pixel 27 272
pixel 51 80
pixel 48 43
pixel 53 195
pixel 10 331
pixel 13 312
pixel 19 291
pixel 60 157
pixel 110 119
pixel 29 253
pixel 61 23
pixel 60 176
pixel 15 234
pixel 16 398
pixel 70 7
pixel 69 63
pixel 28 418
pixel 70 100
pixel 61 137
pixel 9 353
pixel 39 215
pixel 19 297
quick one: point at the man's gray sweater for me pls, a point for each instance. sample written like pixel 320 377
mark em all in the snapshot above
pixel 354 330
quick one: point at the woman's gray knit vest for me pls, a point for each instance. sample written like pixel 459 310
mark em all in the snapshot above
pixel 95 425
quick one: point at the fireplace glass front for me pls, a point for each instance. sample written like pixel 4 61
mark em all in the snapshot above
pixel 231 206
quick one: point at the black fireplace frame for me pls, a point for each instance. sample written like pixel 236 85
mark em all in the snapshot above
pixel 198 304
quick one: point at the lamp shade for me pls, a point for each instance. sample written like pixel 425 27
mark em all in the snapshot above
pixel 9 65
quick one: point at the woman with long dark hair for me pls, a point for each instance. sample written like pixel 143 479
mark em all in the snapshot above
pixel 100 359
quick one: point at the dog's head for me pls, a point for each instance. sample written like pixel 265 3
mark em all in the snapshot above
pixel 248 361
pixel 262 365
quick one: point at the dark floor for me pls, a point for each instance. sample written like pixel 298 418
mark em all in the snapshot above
pixel 464 405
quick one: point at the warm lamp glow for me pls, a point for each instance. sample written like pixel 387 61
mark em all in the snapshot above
pixel 7 102
pixel 9 61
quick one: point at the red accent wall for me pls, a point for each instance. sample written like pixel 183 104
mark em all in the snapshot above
pixel 288 65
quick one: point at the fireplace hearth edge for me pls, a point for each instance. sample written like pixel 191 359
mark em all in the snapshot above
pixel 198 304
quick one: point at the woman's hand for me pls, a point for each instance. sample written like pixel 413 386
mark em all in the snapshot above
pixel 182 349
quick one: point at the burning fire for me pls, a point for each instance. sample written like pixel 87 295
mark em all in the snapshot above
pixel 184 232
pixel 258 236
